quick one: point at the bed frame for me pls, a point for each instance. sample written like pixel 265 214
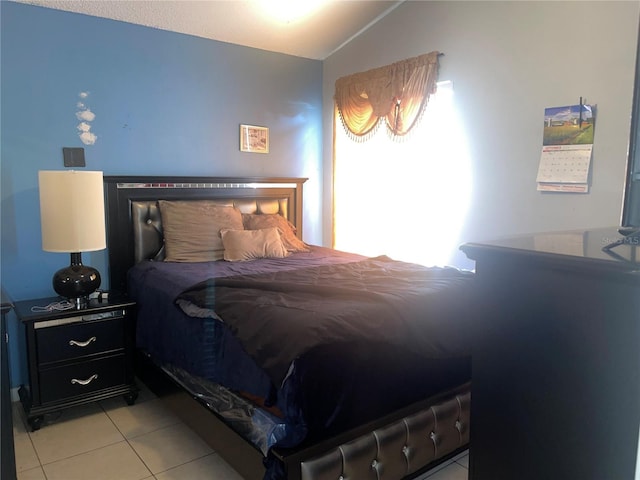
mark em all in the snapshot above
pixel 400 445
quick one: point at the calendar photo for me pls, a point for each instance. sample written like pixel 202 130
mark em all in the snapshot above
pixel 570 125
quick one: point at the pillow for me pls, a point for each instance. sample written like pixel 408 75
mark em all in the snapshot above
pixel 192 229
pixel 240 245
pixel 287 229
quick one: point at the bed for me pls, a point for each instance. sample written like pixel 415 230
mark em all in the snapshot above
pixel 290 366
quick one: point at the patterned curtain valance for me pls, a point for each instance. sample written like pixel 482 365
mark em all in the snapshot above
pixel 397 93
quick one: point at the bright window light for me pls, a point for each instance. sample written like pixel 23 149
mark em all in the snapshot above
pixel 407 199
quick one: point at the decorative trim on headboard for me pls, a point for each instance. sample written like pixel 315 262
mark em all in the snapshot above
pixel 206 185
pixel 121 191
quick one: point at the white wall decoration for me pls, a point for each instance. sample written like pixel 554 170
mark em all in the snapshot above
pixel 86 116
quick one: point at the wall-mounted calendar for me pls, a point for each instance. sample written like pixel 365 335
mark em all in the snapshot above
pixel 566 149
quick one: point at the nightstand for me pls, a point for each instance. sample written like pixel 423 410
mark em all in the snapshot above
pixel 76 356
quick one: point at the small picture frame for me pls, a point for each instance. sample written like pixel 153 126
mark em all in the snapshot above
pixel 254 139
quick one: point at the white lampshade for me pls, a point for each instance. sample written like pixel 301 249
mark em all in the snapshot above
pixel 72 211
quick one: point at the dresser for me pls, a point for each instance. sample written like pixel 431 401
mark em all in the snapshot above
pixel 556 359
pixel 76 356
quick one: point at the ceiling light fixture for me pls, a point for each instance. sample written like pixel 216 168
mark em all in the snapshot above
pixel 288 11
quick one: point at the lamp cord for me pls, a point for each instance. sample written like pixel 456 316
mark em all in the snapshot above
pixel 54 307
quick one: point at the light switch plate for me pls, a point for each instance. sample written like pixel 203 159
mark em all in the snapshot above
pixel 73 157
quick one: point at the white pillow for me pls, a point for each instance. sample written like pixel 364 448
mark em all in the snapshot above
pixel 241 245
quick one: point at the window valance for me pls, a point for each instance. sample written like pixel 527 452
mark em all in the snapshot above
pixel 397 93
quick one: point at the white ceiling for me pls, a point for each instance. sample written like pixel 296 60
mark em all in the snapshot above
pixel 244 22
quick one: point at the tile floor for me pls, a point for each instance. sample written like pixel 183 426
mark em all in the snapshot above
pixel 110 440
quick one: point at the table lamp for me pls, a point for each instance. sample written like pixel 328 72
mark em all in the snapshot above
pixel 72 219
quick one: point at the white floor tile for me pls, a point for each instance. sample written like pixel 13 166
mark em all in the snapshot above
pixel 169 447
pixel 206 468
pixel 463 460
pixel 460 455
pixel 141 418
pixel 114 462
pixel 452 471
pixel 32 474
pixel 75 431
pixel 26 457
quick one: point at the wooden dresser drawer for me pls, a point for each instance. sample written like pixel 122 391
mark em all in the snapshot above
pixel 79 339
pixel 82 378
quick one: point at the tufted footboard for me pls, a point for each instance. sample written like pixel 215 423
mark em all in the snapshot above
pixel 398 449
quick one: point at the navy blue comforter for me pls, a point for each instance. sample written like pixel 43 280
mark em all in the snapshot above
pixel 304 346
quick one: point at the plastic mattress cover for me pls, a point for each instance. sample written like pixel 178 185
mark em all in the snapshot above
pixel 261 428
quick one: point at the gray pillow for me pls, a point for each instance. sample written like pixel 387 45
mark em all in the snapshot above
pixel 241 245
pixel 192 229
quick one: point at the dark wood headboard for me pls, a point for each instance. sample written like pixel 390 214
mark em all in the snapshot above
pixel 123 192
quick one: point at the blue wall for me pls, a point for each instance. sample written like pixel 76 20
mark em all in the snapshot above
pixel 164 104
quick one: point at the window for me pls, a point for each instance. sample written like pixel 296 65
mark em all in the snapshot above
pixel 406 199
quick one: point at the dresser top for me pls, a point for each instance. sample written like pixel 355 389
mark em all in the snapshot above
pixel 604 247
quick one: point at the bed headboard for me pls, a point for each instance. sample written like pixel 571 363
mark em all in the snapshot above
pixel 134 225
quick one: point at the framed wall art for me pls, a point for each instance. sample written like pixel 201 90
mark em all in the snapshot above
pixel 254 139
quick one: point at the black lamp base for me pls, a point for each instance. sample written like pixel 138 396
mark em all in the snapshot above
pixel 77 281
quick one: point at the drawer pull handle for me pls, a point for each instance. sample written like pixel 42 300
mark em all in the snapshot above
pixel 84 382
pixel 82 344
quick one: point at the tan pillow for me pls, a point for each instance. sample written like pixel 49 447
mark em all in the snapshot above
pixel 192 229
pixel 287 230
pixel 240 245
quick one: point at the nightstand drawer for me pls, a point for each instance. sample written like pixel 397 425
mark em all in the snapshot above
pixel 79 339
pixel 82 378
